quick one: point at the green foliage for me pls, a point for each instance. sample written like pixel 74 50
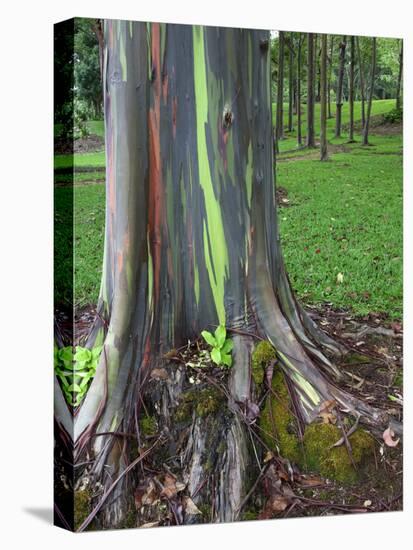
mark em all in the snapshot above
pixel 81 115
pixel 220 344
pixel 393 116
pixel 88 85
pixel 76 370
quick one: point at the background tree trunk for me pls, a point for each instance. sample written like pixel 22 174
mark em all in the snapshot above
pixel 290 82
pixel 299 136
pixel 371 92
pixel 339 98
pixel 362 86
pixel 330 70
pixel 351 91
pixel 399 78
pixel 323 99
pixel 310 142
pixel 317 69
pixel 279 123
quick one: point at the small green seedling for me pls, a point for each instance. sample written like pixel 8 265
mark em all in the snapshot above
pixel 220 344
pixel 76 371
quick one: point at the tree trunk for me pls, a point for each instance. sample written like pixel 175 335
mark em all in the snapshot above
pixel 317 69
pixel 371 92
pixel 279 123
pixel 299 136
pixel 351 91
pixel 362 86
pixel 330 69
pixel 339 99
pixel 290 83
pixel 310 142
pixel 399 78
pixel 323 99
pixel 191 241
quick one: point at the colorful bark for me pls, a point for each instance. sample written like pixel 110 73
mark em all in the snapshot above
pixel 191 229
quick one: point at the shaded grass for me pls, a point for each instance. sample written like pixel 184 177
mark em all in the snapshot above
pixel 80 177
pixel 379 106
pixel 346 218
pixel 77 276
pixel 79 160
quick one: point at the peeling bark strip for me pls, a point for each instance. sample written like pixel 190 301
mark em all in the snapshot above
pixel 191 235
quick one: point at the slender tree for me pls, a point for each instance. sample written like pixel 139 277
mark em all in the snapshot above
pixel 362 85
pixel 330 70
pixel 317 53
pixel 279 123
pixel 399 78
pixel 323 99
pixel 191 241
pixel 371 91
pixel 290 81
pixel 299 47
pixel 351 90
pixel 310 142
pixel 340 79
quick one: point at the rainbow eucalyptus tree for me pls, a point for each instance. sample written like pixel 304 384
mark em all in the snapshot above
pixel 191 242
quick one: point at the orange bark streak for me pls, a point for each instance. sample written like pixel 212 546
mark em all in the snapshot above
pixel 156 206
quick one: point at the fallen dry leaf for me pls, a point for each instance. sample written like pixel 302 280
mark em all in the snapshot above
pixel 326 412
pixel 279 503
pixel 190 507
pixel 146 494
pixel 159 374
pixel 268 456
pixel 388 438
pixel 311 481
pixel 171 486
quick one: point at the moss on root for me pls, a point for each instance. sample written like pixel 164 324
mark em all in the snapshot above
pixel 315 453
pixel 263 353
pixel 148 426
pixel 82 506
pixel 203 402
pixel 335 463
pixel 278 423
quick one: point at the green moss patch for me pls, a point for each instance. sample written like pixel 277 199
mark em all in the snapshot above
pixel 335 463
pixel 263 353
pixel 148 426
pixel 203 402
pixel 315 453
pixel 278 423
pixel 82 507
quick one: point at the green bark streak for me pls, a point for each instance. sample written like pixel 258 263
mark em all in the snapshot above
pixel 216 254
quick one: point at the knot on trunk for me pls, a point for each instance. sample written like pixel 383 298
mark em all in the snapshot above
pixel 227 117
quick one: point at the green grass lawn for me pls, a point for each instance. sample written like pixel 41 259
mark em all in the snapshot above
pixel 346 217
pixel 89 228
